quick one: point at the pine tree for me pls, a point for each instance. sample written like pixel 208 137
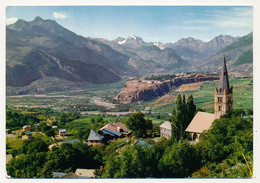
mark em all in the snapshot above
pixel 191 108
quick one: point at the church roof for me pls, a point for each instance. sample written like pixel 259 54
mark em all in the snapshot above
pixel 166 125
pixel 223 82
pixel 201 121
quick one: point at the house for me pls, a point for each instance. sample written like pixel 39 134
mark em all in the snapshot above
pixel 223 103
pixel 110 134
pixel 26 128
pixel 118 127
pixel 26 135
pixel 166 129
pixel 85 173
pixel 62 132
pixel 8 131
pixel 94 138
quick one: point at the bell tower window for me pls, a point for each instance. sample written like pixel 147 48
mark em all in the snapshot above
pixel 220 99
pixel 220 108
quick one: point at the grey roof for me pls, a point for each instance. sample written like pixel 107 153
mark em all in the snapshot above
pixel 70 141
pixel 246 117
pixel 26 126
pixel 166 125
pixel 223 82
pixel 110 132
pixel 142 143
pixel 58 174
pixel 62 130
pixel 94 136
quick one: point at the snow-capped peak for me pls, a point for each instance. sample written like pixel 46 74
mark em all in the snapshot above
pixel 159 45
pixel 122 42
pixel 134 37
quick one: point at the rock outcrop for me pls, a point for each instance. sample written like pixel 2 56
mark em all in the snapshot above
pixel 145 90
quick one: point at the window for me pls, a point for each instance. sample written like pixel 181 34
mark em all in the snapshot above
pixel 220 99
pixel 229 99
pixel 220 108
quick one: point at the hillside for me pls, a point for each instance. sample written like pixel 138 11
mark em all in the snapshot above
pixel 42 48
pixel 195 50
pixel 42 56
pixel 239 56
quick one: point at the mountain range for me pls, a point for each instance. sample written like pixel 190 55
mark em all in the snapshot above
pixel 42 50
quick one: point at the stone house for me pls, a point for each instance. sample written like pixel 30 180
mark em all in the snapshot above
pixel 166 129
pixel 94 138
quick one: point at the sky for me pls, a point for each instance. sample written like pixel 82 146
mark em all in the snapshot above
pixel 152 23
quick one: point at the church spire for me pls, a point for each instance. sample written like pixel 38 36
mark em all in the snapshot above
pixel 223 94
pixel 223 82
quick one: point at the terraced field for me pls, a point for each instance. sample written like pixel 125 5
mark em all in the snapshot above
pixel 204 97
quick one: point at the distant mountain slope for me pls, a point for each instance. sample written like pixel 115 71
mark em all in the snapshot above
pixel 41 51
pixel 239 57
pixel 42 48
pixel 195 50
pixel 147 57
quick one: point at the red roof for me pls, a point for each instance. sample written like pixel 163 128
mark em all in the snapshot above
pixel 118 127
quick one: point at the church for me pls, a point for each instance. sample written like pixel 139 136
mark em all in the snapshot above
pixel 223 103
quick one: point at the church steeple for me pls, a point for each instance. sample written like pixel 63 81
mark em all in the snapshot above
pixel 223 82
pixel 224 93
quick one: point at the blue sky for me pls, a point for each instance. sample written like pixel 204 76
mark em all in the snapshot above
pixel 152 23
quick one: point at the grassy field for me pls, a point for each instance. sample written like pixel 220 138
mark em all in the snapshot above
pixel 204 97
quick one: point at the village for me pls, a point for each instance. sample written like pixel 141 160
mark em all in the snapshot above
pixel 117 137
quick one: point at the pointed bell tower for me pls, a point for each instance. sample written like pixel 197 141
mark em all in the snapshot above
pixel 224 93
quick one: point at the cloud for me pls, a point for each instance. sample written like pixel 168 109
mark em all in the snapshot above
pixel 238 17
pixel 11 20
pixel 59 15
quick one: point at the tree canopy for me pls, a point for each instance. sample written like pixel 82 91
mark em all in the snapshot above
pixel 138 124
